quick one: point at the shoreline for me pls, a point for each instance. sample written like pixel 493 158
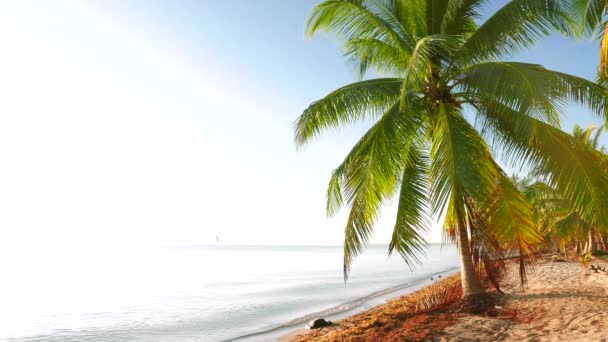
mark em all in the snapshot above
pixel 348 309
pixel 561 302
pixel 373 313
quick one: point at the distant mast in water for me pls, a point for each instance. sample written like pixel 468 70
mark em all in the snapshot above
pixel 217 239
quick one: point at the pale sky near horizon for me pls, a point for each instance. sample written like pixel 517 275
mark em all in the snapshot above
pixel 170 122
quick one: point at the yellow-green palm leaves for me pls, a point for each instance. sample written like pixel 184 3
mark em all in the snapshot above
pixel 589 17
pixel 422 149
pixel 555 212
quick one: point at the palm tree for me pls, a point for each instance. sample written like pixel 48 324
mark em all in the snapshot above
pixel 586 136
pixel 556 217
pixel 438 65
pixel 557 220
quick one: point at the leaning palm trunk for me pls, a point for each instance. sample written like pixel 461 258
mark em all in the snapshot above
pixel 469 277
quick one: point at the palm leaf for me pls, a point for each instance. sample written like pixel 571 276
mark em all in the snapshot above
pixel 516 85
pixel 460 16
pixel 532 88
pixel 377 54
pixel 511 216
pixel 435 13
pixel 353 19
pixel 369 176
pixel 588 14
pixel 487 249
pixel 515 26
pixel 412 214
pixel 576 169
pixel 461 163
pixel 392 13
pixel 349 104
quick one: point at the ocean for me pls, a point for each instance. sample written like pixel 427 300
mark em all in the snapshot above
pixel 196 293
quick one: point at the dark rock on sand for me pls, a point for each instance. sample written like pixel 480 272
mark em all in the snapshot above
pixel 318 323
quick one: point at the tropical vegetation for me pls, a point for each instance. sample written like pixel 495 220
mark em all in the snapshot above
pixel 447 106
pixel 558 220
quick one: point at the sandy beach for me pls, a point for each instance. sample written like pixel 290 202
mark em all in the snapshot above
pixel 561 303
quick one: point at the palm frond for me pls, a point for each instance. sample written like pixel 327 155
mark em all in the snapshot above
pixel 460 16
pixel 412 213
pixel 335 200
pixel 370 174
pixel 486 248
pixel 461 163
pixel 411 15
pixel 581 134
pixel 435 13
pixel 515 26
pixel 532 88
pixel 349 104
pixel 588 14
pixel 511 216
pixel 576 169
pixel 596 138
pixel 516 85
pixel 569 225
pixel 353 19
pixel 379 55
pixel 584 92
pixel 392 13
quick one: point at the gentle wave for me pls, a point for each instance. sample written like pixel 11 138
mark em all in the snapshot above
pixel 197 293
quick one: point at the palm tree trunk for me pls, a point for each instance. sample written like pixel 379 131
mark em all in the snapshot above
pixel 470 281
pixel 592 244
pixel 600 239
pixel 555 243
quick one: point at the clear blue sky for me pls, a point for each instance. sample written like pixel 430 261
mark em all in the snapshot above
pixel 168 122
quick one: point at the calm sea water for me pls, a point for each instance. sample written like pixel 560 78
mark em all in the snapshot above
pixel 209 293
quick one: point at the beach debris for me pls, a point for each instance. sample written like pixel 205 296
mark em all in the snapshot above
pixel 555 258
pixel 318 323
pixel 597 268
